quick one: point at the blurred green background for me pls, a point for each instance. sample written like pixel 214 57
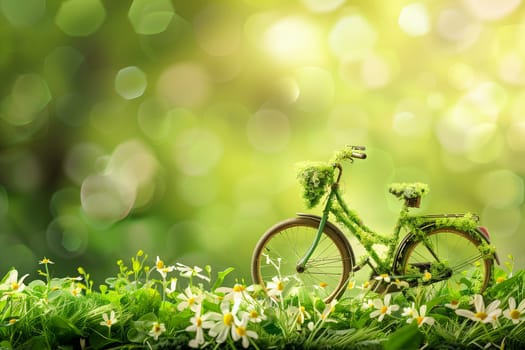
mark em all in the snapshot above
pixel 174 126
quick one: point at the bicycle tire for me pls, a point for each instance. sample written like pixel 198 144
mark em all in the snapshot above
pixel 460 250
pixel 326 272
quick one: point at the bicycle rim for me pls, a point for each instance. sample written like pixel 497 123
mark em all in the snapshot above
pixel 278 251
pixel 459 251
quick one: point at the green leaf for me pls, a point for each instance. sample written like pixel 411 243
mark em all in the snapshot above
pixel 440 300
pixel 136 336
pixel 140 327
pixel 38 342
pixel 62 326
pixel 405 338
pixel 149 317
pixel 5 345
pixel 136 265
pixel 220 277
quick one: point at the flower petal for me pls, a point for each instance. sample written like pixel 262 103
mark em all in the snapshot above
pixel 466 313
pixel 478 303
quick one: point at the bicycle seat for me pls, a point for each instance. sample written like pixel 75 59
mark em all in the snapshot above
pixel 410 192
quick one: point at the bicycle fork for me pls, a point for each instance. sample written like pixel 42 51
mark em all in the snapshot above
pixel 301 264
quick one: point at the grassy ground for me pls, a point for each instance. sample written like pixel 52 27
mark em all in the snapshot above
pixel 153 305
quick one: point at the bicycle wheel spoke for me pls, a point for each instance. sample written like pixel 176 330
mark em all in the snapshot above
pixel 468 262
pixel 324 260
pixel 286 244
pixel 456 251
pixel 324 273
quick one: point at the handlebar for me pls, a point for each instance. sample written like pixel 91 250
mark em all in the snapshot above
pixel 360 152
pixel 358 155
pixel 348 153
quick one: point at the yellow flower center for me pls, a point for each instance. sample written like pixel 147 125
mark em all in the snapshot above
pixel 300 317
pixel 227 319
pixel 481 315
pixel 254 314
pixel 15 286
pixel 366 284
pixel 280 286
pixel 160 264
pixel 500 279
pixel 351 285
pixel 384 309
pixel 515 314
pixel 383 276
pixel 191 301
pixel 12 321
pixel 238 288
pixel 241 331
pixel 419 320
pixel 156 328
pixel 109 322
pixel 198 322
pixel 323 284
pixel 427 276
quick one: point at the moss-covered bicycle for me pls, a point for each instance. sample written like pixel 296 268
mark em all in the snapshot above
pixel 434 249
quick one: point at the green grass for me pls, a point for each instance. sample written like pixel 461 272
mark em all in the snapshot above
pixel 157 306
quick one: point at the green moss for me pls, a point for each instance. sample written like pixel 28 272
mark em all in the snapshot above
pixel 467 222
pixel 463 222
pixel 344 154
pixel 408 190
pixel 315 178
pixel 487 251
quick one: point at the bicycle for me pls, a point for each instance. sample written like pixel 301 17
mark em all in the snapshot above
pixel 434 249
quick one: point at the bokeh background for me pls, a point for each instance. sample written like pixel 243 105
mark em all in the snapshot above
pixel 174 126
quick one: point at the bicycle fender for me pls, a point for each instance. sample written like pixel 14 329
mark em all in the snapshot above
pixel 332 226
pixel 484 233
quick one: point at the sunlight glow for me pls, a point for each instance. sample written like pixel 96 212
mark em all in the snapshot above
pixel 268 130
pixel 491 10
pixel 352 37
pixel 323 6
pixel 184 84
pixel 130 82
pixel 80 17
pixel 455 25
pixel 375 72
pixel 414 19
pixel 292 39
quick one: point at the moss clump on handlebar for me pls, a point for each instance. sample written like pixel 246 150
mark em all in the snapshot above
pixel 315 177
pixel 344 154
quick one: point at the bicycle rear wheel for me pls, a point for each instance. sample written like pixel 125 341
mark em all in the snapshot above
pixel 447 257
pixel 282 246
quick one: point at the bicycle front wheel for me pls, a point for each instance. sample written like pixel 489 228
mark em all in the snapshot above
pixel 447 257
pixel 279 250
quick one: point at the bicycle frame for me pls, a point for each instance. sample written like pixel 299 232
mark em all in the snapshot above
pixel 336 205
pixel 350 219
